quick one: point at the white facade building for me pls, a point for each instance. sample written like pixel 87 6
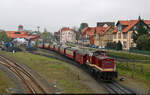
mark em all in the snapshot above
pixel 67 35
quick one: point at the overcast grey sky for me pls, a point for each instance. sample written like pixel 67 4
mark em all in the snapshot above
pixel 54 14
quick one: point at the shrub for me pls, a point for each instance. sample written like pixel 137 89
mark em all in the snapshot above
pixel 119 46
pixel 143 42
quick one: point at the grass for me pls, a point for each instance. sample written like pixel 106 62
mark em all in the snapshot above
pixel 140 73
pixel 125 55
pixel 5 82
pixel 53 70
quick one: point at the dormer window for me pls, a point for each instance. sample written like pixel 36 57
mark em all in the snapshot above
pixel 134 27
pixel 119 28
pixel 17 33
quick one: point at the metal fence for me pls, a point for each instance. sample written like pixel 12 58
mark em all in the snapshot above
pixel 135 70
pixel 140 52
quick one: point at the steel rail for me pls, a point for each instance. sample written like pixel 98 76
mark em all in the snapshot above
pixel 17 69
pixel 112 88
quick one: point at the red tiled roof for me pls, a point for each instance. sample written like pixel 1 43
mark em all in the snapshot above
pixel 123 22
pixel 115 30
pixel 131 23
pixel 11 34
pixel 88 30
pixel 66 29
pixel 147 21
pixel 101 30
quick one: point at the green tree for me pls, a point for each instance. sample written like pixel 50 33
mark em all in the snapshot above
pixel 47 36
pixel 4 37
pixel 143 42
pixel 111 45
pixel 119 46
pixel 82 26
pixel 141 30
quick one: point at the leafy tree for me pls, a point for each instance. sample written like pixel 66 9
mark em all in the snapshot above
pixel 82 26
pixel 111 45
pixel 47 36
pixel 119 46
pixel 143 42
pixel 141 30
pixel 4 37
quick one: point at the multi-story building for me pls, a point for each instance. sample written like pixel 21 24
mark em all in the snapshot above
pixel 98 36
pixel 88 35
pixel 123 31
pixel 103 35
pixel 67 35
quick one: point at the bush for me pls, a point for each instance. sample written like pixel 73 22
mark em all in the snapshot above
pixel 143 42
pixel 114 45
pixel 111 45
pixel 119 46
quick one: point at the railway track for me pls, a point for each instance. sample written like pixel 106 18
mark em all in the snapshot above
pixel 111 87
pixel 31 84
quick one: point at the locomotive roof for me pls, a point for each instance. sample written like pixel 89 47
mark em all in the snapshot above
pixel 72 49
pixel 64 47
pixel 103 57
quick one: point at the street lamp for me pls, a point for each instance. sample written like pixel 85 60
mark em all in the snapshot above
pixel 38 27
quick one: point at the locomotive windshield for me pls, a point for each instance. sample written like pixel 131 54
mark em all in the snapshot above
pixel 97 53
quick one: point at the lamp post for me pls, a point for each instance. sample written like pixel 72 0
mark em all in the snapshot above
pixel 38 28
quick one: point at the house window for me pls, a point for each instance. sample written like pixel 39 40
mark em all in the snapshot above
pixel 125 44
pixel 124 35
pixel 119 35
pixel 119 28
pixel 115 36
pixel 132 35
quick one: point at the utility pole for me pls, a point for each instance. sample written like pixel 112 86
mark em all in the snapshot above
pixel 38 28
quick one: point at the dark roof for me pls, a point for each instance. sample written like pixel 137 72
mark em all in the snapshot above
pixel 108 23
pixel 103 57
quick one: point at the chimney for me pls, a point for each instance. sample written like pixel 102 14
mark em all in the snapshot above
pixel 20 28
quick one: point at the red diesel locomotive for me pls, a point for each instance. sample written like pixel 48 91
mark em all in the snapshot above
pixel 101 65
pixel 96 62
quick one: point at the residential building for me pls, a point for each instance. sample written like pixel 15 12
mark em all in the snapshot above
pixel 20 34
pixel 88 35
pixel 67 35
pixel 103 35
pixel 123 31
